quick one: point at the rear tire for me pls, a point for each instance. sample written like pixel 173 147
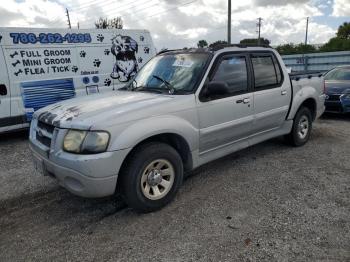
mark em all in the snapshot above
pixel 151 177
pixel 302 126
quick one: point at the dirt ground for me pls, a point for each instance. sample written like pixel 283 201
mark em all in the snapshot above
pixel 270 202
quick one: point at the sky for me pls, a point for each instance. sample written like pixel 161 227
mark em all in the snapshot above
pixel 181 23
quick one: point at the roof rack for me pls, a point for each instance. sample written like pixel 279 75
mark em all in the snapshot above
pixel 166 50
pixel 221 46
pixel 191 49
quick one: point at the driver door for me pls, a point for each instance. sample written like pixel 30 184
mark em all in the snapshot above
pixel 226 121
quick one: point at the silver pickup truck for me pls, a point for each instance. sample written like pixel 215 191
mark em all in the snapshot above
pixel 183 109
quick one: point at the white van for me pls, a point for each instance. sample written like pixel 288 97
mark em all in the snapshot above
pixel 39 67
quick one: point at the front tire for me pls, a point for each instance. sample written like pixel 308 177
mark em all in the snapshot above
pixel 302 126
pixel 151 177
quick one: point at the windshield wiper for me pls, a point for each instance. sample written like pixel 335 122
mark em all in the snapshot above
pixel 167 84
pixel 147 89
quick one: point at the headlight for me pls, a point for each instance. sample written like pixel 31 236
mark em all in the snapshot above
pixel 346 96
pixel 85 142
pixel 95 142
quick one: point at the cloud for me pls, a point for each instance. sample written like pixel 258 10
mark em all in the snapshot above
pixel 278 2
pixel 33 13
pixel 341 8
pixel 181 23
pixel 7 15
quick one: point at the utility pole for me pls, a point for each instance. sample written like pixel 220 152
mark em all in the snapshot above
pixel 259 29
pixel 67 14
pixel 307 29
pixel 229 22
pixel 78 25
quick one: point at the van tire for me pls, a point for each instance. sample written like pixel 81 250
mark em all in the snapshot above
pixel 145 170
pixel 301 130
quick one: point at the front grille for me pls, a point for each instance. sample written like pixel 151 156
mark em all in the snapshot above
pixel 48 128
pixel 44 133
pixel 43 139
pixel 333 97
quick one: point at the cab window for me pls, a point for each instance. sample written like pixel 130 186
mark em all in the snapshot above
pixel 233 71
pixel 267 73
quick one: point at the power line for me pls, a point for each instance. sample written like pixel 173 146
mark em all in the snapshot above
pixel 172 8
pixel 134 11
pixel 126 9
pixel 165 11
pixel 74 6
pixel 104 4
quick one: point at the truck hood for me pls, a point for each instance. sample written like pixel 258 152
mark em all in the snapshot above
pixel 337 87
pixel 109 109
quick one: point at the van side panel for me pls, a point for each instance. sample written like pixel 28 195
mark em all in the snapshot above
pixel 49 65
pixel 5 96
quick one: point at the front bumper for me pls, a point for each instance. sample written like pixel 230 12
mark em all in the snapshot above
pixel 90 176
pixel 77 181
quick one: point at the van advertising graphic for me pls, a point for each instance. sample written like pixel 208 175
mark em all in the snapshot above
pixel 124 48
pixel 42 61
pixel 45 67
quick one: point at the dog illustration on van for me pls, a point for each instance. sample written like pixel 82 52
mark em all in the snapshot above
pixel 124 48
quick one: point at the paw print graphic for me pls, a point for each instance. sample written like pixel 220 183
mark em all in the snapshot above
pixel 82 53
pixel 146 50
pixel 74 69
pixel 100 38
pixel 142 38
pixel 139 60
pixel 107 51
pixel 108 82
pixel 97 63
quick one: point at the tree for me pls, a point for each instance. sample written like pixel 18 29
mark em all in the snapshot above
pixel 202 43
pixel 218 43
pixel 344 31
pixel 254 41
pixel 105 23
pixel 286 49
pixel 336 44
pixel 290 49
pixel 339 43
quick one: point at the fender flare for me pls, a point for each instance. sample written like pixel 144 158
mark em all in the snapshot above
pixel 303 94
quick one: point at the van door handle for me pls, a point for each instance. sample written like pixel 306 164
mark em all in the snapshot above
pixel 3 90
pixel 283 92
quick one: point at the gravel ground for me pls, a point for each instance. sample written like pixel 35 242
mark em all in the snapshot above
pixel 270 202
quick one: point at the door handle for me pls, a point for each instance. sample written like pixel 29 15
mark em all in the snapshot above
pixel 246 100
pixel 283 92
pixel 3 90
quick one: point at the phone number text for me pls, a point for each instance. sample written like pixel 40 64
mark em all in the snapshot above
pixel 50 38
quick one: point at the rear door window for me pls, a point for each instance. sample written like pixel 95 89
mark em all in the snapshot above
pixel 267 73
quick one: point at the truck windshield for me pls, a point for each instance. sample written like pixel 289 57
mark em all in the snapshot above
pixel 176 73
pixel 338 74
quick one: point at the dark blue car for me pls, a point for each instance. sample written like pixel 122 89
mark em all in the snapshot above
pixel 337 83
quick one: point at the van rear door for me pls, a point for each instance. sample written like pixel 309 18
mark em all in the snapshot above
pixel 5 95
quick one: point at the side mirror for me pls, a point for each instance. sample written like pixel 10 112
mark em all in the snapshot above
pixel 3 90
pixel 216 88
